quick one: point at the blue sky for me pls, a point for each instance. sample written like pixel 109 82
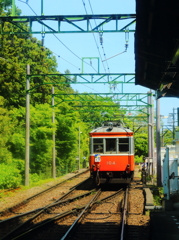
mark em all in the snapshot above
pixel 83 45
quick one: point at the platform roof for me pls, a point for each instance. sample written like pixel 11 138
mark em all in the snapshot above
pixel 157 46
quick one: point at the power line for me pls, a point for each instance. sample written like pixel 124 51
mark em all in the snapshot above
pixel 66 60
pixel 114 56
pixel 59 39
pixel 94 36
pixel 68 48
pixel 100 37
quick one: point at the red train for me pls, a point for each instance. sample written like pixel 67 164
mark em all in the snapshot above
pixel 112 154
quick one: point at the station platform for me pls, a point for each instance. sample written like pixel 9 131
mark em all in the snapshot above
pixel 164 225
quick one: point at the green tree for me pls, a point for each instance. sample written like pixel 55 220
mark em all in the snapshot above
pixel 4 4
pixel 6 129
pixel 41 138
pixel 141 144
pixel 14 58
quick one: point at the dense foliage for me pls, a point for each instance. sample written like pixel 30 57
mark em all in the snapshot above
pixel 9 176
pixel 73 118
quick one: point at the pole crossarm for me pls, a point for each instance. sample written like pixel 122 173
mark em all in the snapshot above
pixel 105 94
pixel 133 98
pixel 68 23
pixel 80 78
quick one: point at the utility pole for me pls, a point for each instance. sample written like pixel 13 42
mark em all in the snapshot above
pixel 27 145
pixel 79 148
pixel 53 137
pixel 13 8
pixel 152 131
pixel 42 7
pixel 158 142
pixel 173 123
pixel 149 128
pixel 177 117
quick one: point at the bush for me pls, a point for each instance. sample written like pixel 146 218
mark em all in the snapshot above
pixel 138 159
pixel 34 178
pixel 9 177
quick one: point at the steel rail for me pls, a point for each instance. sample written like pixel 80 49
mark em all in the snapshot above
pixel 81 214
pixel 41 211
pixel 55 203
pixel 124 215
pixel 38 194
pixel 92 202
pixel 22 235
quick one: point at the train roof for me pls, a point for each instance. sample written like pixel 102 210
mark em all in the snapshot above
pixel 111 127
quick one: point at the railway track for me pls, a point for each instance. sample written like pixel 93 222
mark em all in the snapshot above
pixel 49 195
pixel 65 215
pixel 84 214
pixel 25 210
pixel 23 222
pixel 101 222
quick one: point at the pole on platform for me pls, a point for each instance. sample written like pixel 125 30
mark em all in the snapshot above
pixel 152 133
pixel 149 128
pixel 173 124
pixel 159 184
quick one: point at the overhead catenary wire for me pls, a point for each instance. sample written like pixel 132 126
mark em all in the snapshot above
pixel 43 35
pixel 66 60
pixel 94 36
pixel 126 45
pixel 67 48
pixel 59 39
pixel 100 37
pixel 114 56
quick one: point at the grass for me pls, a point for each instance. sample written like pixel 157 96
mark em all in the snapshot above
pixel 157 194
pixel 157 200
pixel 157 191
pixel 10 192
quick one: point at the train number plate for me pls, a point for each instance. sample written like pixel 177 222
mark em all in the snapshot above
pixel 97 158
pixel 110 162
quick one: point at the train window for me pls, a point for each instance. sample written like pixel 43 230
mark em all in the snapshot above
pixel 98 145
pixel 123 145
pixel 110 145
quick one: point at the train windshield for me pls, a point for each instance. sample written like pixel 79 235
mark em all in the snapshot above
pixel 123 145
pixel 98 145
pixel 110 145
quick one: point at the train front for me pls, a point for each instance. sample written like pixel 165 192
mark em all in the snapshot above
pixel 112 154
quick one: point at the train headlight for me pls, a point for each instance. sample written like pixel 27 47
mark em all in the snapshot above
pixel 128 168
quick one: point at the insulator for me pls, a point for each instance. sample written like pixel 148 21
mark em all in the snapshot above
pixel 126 46
pixel 42 41
pixel 127 35
pixel 101 39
